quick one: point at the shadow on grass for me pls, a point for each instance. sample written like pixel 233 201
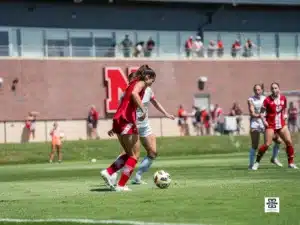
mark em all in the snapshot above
pixel 104 189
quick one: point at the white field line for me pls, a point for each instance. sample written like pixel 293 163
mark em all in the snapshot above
pixel 89 221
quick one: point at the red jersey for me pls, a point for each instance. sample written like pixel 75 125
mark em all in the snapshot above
pixel 205 118
pixel 275 110
pixel 216 113
pixel 127 108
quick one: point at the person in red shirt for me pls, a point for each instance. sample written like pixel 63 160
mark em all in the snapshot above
pixel 189 47
pixel 220 51
pixel 93 118
pixel 124 125
pixel 273 114
pixel 235 48
pixel 182 121
pixel 205 120
pixel 30 124
pixel 292 118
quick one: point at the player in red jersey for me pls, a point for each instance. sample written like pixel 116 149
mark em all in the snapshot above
pixel 273 114
pixel 124 125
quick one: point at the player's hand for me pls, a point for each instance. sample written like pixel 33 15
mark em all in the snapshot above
pixel 110 133
pixel 170 116
pixel 266 124
pixel 143 116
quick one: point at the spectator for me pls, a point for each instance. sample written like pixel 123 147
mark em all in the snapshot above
pixel 220 51
pixel 149 47
pixel 30 124
pixel 126 46
pixel 237 112
pixel 205 121
pixel 189 47
pixel 198 47
pixel 292 117
pixel 248 48
pixel 182 121
pixel 212 47
pixel 93 117
pixel 139 49
pixel 56 144
pixel 196 120
pixel 216 118
pixel 236 48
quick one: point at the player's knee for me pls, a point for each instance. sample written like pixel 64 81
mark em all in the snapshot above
pixel 268 145
pixel 288 143
pixel 254 146
pixel 277 141
pixel 152 154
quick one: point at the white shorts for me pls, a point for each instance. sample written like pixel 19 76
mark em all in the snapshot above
pixel 145 131
pixel 257 126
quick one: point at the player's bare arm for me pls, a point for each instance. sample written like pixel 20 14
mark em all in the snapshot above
pixel 252 111
pixel 136 97
pixel 262 116
pixel 160 108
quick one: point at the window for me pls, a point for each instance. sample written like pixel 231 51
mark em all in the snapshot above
pixel 57 43
pixel 32 42
pixel 104 43
pixel 168 44
pixel 4 43
pixel 287 45
pixel 81 43
pixel 267 43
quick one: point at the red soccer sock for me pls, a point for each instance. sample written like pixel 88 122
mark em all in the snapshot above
pixel 127 171
pixel 118 164
pixel 261 151
pixel 290 154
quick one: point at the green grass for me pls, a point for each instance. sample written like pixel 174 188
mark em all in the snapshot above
pixel 210 185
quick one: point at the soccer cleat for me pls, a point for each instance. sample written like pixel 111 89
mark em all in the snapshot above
pixel 122 189
pixel 107 179
pixel 255 166
pixel 293 166
pixel 276 162
pixel 113 179
pixel 138 182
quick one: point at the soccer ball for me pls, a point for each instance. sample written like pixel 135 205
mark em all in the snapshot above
pixel 162 179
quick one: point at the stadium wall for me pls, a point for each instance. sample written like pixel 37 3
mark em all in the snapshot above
pixel 65 89
pixel 14 132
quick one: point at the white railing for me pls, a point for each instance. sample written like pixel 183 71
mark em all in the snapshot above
pixel 170 52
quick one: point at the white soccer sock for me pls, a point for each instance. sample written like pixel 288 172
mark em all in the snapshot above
pixel 144 167
pixel 276 148
pixel 252 156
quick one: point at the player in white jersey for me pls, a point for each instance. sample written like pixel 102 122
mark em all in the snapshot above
pixel 147 138
pixel 257 127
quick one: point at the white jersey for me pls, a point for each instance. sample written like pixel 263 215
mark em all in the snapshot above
pixel 148 96
pixel 257 102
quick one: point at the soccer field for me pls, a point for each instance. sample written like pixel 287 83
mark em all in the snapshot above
pixel 210 186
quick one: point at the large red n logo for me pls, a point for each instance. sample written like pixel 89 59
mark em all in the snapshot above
pixel 116 81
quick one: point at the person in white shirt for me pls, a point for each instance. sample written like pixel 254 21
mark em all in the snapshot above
pixel 198 47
